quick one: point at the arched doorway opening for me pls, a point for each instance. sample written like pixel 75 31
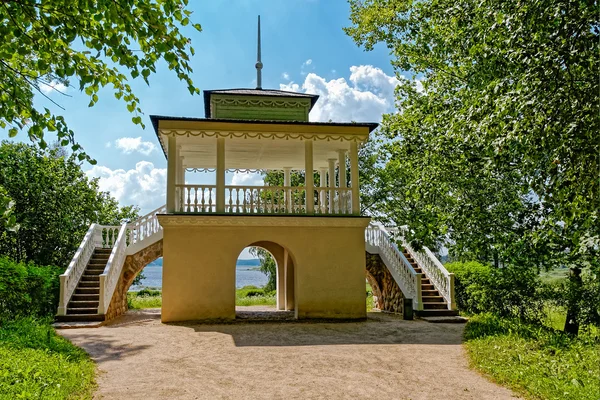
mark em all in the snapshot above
pixel 265 279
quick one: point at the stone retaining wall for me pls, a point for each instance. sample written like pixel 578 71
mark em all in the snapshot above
pixel 387 296
pixel 133 265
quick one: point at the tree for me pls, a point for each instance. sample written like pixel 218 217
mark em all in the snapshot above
pixel 494 151
pixel 89 45
pixel 55 203
pixel 268 266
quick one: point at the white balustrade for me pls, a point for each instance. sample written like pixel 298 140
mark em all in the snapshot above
pixel 196 198
pixel 442 280
pixel 409 281
pixel 97 236
pixel 145 226
pixel 110 276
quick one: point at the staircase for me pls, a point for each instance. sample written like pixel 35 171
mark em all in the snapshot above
pixel 88 284
pixel 83 305
pixel 434 305
pixel 419 274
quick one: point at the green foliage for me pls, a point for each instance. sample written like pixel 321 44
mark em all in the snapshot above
pixel 37 363
pixel 506 292
pixel 89 45
pixel 254 296
pixel 27 289
pixel 7 216
pixel 55 203
pixel 491 150
pixel 536 361
pixel 268 266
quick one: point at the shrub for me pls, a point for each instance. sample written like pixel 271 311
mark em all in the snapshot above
pixel 148 293
pixel 509 291
pixel 28 289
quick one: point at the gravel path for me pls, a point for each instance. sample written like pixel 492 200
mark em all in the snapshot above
pixel 382 358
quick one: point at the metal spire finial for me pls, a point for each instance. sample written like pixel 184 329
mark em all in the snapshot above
pixel 259 64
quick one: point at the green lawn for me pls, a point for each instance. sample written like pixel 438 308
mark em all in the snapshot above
pixel 36 363
pixel 538 362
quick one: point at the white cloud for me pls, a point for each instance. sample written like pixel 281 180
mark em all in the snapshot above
pixel 285 76
pixel 306 65
pixel 52 87
pixel 247 179
pixel 129 145
pixel 145 186
pixel 365 96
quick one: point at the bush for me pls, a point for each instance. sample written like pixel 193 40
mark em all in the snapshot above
pixel 509 291
pixel 28 289
pixel 148 293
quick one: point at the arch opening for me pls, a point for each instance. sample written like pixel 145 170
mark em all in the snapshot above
pixel 265 279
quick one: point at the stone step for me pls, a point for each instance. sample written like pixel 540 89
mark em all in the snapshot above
pixel 429 292
pixel 432 299
pixel 94 271
pixel 436 306
pixel 99 259
pixel 86 284
pixel 96 266
pixel 100 250
pixel 95 291
pixel 90 278
pixel 79 311
pixel 85 297
pixel 80 317
pixel 435 313
pixel 427 287
pixel 83 304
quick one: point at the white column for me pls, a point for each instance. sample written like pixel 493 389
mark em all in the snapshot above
pixel 287 181
pixel 220 175
pixel 331 184
pixel 171 173
pixel 342 178
pixel 309 177
pixel 354 178
pixel 323 192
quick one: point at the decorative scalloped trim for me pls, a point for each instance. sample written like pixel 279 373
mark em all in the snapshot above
pixel 237 220
pixel 260 103
pixel 264 135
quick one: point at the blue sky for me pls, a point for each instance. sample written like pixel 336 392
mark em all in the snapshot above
pixel 304 49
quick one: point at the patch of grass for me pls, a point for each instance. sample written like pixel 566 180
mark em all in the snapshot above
pixel 554 275
pixel 369 298
pixel 254 296
pixel 534 360
pixel 36 363
pixel 144 299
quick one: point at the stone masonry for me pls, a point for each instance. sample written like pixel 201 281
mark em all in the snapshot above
pixel 133 265
pixel 387 296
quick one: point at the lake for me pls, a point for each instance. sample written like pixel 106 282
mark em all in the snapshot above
pixel 245 274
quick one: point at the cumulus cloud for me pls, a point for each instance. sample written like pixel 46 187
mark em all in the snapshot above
pixel 365 96
pixel 144 186
pixel 52 87
pixel 285 76
pixel 129 145
pixel 247 179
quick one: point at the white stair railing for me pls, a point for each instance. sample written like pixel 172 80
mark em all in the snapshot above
pixel 70 278
pixel 442 280
pixel 144 227
pixel 409 281
pixel 110 276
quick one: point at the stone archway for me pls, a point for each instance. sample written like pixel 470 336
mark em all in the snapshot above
pixel 285 274
pixel 133 265
pixel 388 293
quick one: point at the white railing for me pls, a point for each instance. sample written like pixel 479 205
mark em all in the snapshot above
pixel 442 280
pixel 195 198
pixel 409 281
pixel 262 199
pixel 96 236
pixel 144 227
pixel 110 276
pixel 265 200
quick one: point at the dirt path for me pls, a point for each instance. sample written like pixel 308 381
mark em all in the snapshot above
pixel 382 358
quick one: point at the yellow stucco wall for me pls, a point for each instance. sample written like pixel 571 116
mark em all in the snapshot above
pixel 200 253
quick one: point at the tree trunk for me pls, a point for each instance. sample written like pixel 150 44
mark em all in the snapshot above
pixel 575 287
